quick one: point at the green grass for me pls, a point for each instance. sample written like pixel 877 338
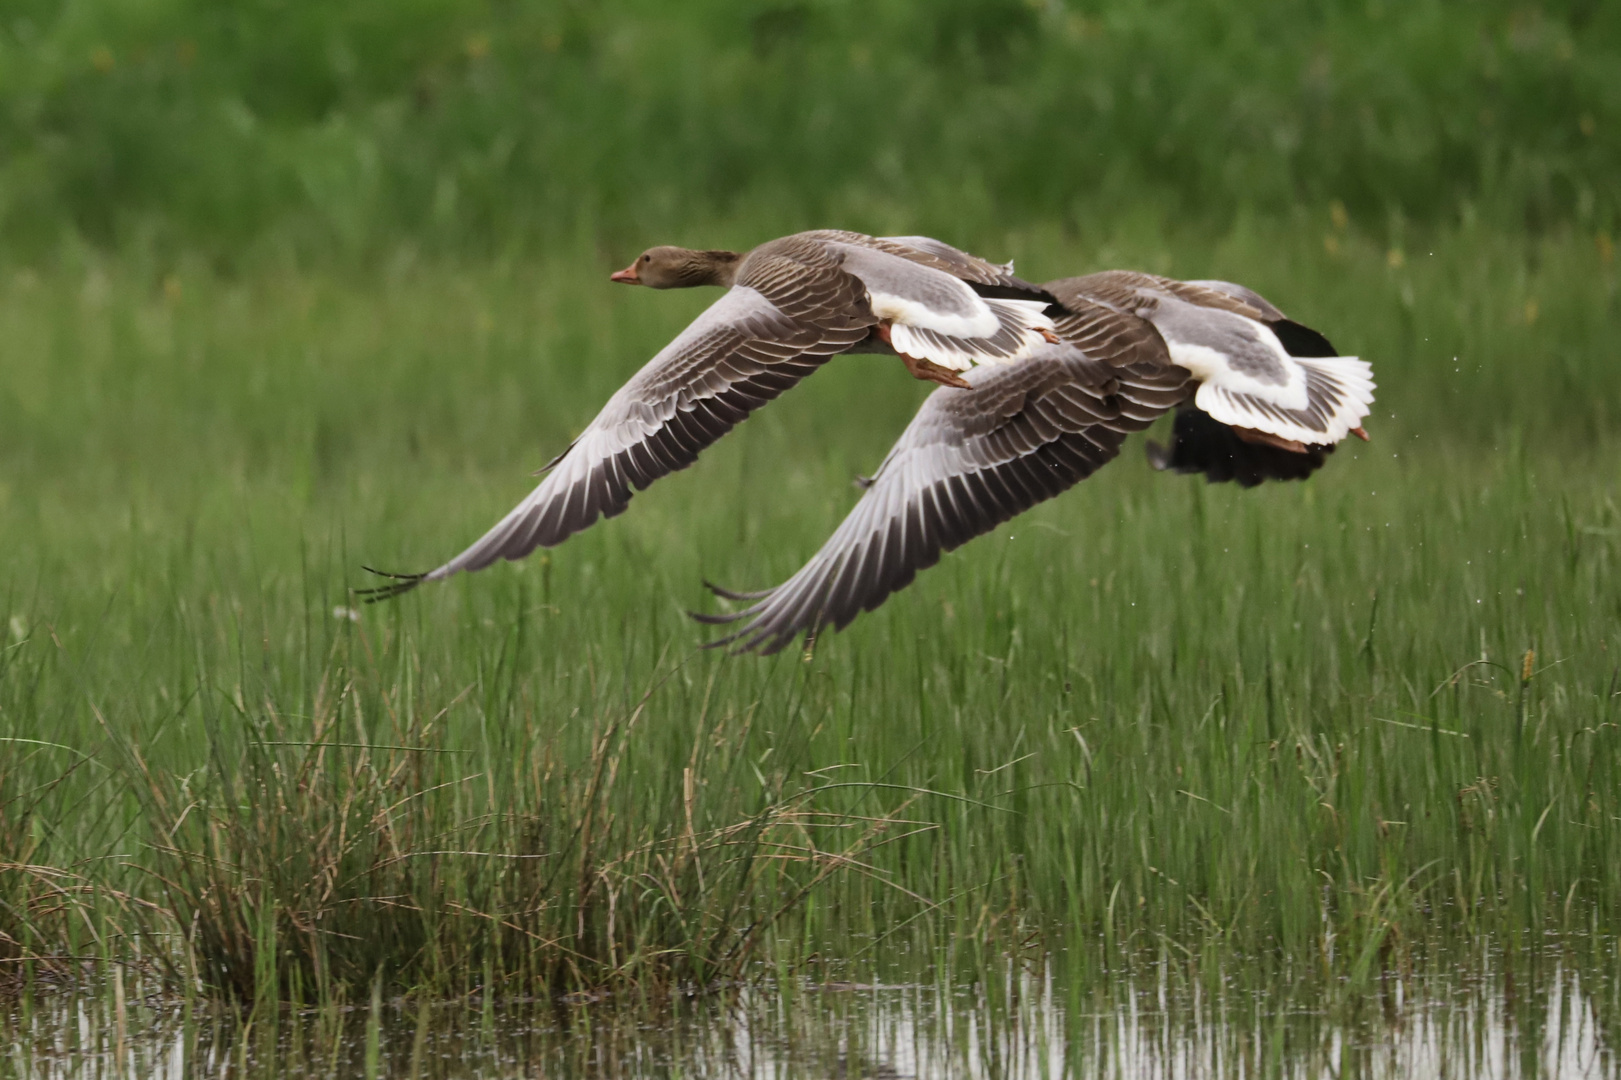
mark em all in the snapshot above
pixel 184 126
pixel 1289 725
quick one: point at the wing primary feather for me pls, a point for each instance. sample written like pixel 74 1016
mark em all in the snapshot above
pixel 401 584
pixel 737 594
pixel 843 597
pixel 746 349
pixel 721 618
pixel 765 633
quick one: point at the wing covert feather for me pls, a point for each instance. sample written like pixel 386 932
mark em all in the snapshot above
pixel 969 461
pixel 739 354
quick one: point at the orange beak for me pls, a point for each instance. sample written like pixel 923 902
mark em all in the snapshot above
pixel 627 276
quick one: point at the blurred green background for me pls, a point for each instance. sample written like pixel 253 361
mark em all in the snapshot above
pixel 469 126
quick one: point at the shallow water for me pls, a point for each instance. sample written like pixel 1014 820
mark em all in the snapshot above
pixel 1552 1021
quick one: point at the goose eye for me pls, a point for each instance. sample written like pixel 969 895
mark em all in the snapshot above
pixel 647 258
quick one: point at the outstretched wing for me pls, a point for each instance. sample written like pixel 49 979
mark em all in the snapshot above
pixel 739 354
pixel 970 460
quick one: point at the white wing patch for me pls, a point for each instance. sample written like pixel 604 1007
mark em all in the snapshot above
pixel 936 316
pixel 974 319
pixel 1248 379
pixel 1213 367
pixel 1338 392
pixel 1016 327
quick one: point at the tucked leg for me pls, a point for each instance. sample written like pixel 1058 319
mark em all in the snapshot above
pixel 926 370
pixel 929 371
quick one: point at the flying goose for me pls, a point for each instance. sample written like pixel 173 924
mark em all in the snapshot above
pixel 790 305
pixel 1258 397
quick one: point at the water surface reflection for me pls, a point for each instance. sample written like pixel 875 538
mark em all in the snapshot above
pixel 1554 1022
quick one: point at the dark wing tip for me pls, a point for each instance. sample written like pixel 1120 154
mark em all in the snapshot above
pixel 552 464
pixel 737 594
pixel 1298 340
pixel 761 642
pixel 751 637
pixel 1018 289
pixel 730 641
pixel 401 584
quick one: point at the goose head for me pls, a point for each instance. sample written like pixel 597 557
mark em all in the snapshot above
pixel 680 268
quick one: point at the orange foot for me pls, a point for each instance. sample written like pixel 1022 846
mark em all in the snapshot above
pixel 1359 433
pixel 929 371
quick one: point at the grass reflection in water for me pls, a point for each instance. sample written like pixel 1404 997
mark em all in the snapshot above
pixel 1553 1013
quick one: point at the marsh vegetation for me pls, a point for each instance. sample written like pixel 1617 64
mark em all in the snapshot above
pixel 1325 734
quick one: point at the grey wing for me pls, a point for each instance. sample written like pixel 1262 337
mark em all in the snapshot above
pixel 970 460
pixel 1104 333
pixel 1296 338
pixel 955 261
pixel 927 251
pixel 1140 294
pixel 1244 293
pixel 739 354
pixel 1148 295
